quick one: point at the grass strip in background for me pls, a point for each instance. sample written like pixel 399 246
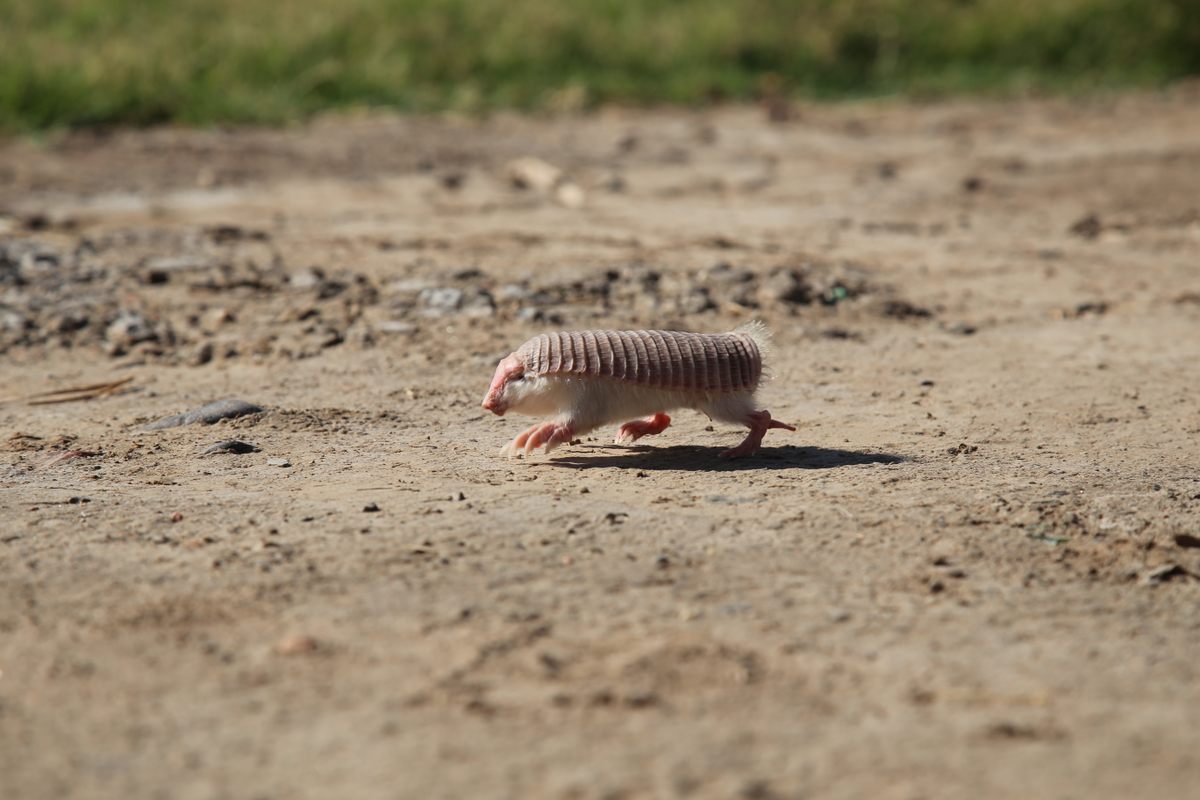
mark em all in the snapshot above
pixel 97 62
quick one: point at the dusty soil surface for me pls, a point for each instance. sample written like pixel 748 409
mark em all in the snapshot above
pixel 974 570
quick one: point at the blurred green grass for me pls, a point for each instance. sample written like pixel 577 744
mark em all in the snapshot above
pixel 95 62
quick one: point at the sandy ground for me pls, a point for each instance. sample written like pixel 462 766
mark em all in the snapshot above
pixel 972 572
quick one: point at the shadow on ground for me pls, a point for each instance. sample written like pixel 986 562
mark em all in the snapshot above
pixel 707 459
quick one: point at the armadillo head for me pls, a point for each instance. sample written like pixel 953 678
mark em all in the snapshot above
pixel 504 392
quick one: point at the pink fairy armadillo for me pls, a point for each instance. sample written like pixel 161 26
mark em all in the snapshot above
pixel 586 379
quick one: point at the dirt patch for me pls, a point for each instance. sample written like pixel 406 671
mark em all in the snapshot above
pixel 972 570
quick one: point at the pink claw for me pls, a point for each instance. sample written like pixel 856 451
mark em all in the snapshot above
pixel 759 422
pixel 647 426
pixel 548 434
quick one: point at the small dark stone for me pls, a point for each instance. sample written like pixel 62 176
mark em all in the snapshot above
pixel 1187 540
pixel 371 508
pixel 1088 228
pixel 902 309
pixel 235 446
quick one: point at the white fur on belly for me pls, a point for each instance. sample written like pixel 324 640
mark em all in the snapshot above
pixel 589 403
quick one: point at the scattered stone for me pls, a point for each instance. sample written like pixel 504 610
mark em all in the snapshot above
pixel 69 322
pixel 129 328
pixel 14 321
pixel 1088 227
pixel 788 286
pixel 227 234
pixel 1167 572
pixel 1187 540
pixel 202 355
pixel 296 645
pixel 395 326
pixel 570 195
pixel 306 279
pixel 216 318
pixel 166 265
pixel 533 173
pixel 512 292
pixel 479 305
pixel 207 414
pixel 439 301
pixel 902 309
pixel 697 301
pixel 540 176
pixel 235 446
pixel 371 508
pixel 278 462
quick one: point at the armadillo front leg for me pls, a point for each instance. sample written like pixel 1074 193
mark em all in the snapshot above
pixel 550 434
pixel 759 423
pixel 648 426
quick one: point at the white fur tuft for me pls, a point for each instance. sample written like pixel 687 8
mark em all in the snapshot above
pixel 759 333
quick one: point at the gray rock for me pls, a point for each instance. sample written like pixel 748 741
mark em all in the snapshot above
pixel 178 263
pixel 510 292
pixel 207 414
pixel 13 320
pixel 479 305
pixel 129 328
pixel 441 300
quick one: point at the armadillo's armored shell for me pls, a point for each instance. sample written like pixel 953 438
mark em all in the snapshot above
pixel 707 362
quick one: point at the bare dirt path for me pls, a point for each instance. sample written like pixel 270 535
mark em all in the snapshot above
pixel 973 571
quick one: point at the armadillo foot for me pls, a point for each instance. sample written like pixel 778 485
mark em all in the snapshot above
pixel 550 434
pixel 759 423
pixel 647 426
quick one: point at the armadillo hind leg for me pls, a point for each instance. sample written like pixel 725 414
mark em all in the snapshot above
pixel 648 426
pixel 759 423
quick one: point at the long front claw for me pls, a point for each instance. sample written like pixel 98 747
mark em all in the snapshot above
pixel 547 434
pixel 518 445
pixel 539 436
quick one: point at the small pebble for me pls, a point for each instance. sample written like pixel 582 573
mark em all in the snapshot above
pixel 371 508
pixel 278 462
pixel 296 644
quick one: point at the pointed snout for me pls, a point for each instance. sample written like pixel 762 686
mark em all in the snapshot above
pixel 493 401
pixel 492 404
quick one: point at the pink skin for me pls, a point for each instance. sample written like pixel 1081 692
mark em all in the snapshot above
pixel 509 367
pixel 648 426
pixel 550 434
pixel 759 423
